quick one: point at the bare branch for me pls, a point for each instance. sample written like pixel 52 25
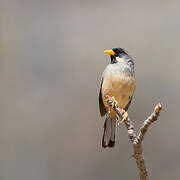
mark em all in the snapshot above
pixel 128 122
pixel 153 117
pixel 137 140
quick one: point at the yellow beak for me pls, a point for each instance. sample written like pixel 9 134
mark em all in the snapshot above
pixel 110 52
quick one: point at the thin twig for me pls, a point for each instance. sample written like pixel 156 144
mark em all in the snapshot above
pixel 137 140
pixel 153 117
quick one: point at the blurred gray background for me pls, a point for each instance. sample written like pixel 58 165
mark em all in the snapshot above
pixel 51 60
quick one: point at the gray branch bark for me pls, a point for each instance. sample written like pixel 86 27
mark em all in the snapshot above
pixel 137 139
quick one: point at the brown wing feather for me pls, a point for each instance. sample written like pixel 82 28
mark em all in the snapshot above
pixel 102 108
pixel 127 106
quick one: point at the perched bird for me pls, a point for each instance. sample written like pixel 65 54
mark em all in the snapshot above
pixel 118 81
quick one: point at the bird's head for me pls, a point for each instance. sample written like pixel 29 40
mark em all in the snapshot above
pixel 118 55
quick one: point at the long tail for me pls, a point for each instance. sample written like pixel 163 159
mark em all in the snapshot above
pixel 109 132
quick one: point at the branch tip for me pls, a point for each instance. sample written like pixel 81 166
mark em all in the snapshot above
pixel 158 107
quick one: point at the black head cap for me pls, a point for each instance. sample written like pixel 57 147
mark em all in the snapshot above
pixel 123 54
pixel 120 52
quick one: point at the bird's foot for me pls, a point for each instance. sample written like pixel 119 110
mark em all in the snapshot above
pixel 124 116
pixel 114 102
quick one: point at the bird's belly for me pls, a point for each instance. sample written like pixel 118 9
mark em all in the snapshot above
pixel 120 87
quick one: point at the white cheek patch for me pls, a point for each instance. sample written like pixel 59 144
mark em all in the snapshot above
pixel 119 59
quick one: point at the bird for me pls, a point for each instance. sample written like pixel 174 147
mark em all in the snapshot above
pixel 118 81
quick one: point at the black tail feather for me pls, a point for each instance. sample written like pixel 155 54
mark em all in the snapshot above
pixel 109 132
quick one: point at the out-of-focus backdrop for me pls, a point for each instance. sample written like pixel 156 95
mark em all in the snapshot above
pixel 51 60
